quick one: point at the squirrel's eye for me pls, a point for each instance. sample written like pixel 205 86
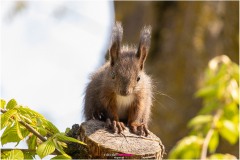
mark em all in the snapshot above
pixel 138 78
pixel 113 75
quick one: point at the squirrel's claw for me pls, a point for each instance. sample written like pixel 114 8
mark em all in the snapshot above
pixel 140 130
pixel 116 126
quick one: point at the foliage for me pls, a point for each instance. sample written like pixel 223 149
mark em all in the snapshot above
pixel 219 115
pixel 43 138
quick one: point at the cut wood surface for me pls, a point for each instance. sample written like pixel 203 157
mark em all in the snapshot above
pixel 102 143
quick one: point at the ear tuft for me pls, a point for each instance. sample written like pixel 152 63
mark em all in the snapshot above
pixel 115 43
pixel 144 45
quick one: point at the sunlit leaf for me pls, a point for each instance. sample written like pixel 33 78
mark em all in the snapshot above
pixel 51 127
pixel 31 112
pixel 67 130
pixel 26 119
pixel 3 103
pixel 19 133
pixel 229 131
pixel 29 155
pixel 60 148
pixel 235 71
pixel 6 116
pixel 187 148
pixel 10 135
pixel 233 88
pixel 46 148
pixel 32 142
pixel 207 91
pixel 39 122
pixel 222 156
pixel 42 131
pixel 11 104
pixel 62 137
pixel 230 111
pixel 14 154
pixel 199 120
pixel 214 78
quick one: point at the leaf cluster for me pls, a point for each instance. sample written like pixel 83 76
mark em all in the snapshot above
pixel 219 115
pixel 43 138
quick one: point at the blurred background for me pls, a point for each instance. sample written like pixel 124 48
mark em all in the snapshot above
pixel 49 48
pixel 186 35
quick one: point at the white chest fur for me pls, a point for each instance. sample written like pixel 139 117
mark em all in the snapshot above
pixel 123 103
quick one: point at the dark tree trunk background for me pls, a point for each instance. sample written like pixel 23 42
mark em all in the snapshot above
pixel 186 35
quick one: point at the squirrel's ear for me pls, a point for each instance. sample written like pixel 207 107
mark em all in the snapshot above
pixel 143 48
pixel 115 43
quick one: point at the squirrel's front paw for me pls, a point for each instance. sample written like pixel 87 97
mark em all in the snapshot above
pixel 116 126
pixel 139 129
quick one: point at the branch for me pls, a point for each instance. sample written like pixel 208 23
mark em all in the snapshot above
pixel 23 150
pixel 27 150
pixel 32 130
pixel 209 135
pixel 29 128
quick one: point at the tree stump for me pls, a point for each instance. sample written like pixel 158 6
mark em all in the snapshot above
pixel 102 143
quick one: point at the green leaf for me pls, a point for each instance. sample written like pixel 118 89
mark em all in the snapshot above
pixel 60 148
pixel 3 103
pixel 16 154
pixel 39 122
pixel 187 148
pixel 51 127
pixel 62 137
pixel 199 120
pixel 214 141
pixel 46 148
pixel 230 111
pixel 207 91
pixel 222 156
pixel 209 106
pixel 215 77
pixel 229 131
pixel 11 104
pixel 32 142
pixel 28 155
pixel 19 133
pixel 42 131
pixel 10 135
pixel 13 154
pixel 6 116
pixel 26 119
pixel 67 130
pixel 30 112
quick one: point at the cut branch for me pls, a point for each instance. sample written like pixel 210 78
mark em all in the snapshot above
pixel 104 144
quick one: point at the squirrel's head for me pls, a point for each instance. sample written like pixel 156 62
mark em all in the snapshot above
pixel 127 63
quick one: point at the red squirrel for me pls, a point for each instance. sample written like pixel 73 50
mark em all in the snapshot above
pixel 120 92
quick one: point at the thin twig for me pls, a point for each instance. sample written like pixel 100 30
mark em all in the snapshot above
pixel 205 144
pixel 25 150
pixel 209 135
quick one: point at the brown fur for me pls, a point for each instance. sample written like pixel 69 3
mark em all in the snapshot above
pixel 115 91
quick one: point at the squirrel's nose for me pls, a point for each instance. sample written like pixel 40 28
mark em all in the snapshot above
pixel 124 92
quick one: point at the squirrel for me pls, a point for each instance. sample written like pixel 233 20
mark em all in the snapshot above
pixel 120 92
